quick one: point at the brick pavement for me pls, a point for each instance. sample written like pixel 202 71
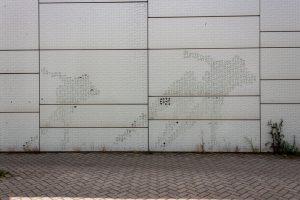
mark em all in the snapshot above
pixel 91 176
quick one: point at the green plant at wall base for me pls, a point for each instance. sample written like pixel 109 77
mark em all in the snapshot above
pixel 290 148
pixel 4 173
pixel 277 136
pixel 250 142
pixel 278 144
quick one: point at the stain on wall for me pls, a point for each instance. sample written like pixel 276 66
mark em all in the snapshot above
pixel 141 121
pixel 171 132
pixel 72 90
pixel 124 136
pixel 30 145
pixel 222 77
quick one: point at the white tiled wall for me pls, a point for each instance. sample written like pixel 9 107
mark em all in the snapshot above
pixel 19 92
pixel 94 116
pixel 183 8
pixel 19 78
pixel 93 77
pixel 93 139
pixel 204 135
pixel 204 72
pixel 204 32
pixel 185 107
pixel 156 75
pixel 93 26
pixel 19 62
pixel 280 15
pixel 19 24
pixel 280 67
pixel 280 39
pixel 280 63
pixel 19 132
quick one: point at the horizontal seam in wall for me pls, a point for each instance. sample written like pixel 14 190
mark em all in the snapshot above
pixel 19 112
pixel 278 31
pixel 19 73
pixel 271 79
pixel 280 47
pixel 55 2
pixel 94 49
pixel 144 49
pixel 19 50
pixel 204 119
pixel 116 104
pixel 166 17
pixel 95 151
pixel 211 96
pixel 183 48
pixel 100 127
pixel 280 103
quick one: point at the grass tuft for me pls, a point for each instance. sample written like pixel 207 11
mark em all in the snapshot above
pixel 4 173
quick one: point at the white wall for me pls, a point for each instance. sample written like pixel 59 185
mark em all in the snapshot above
pixel 280 39
pixel 19 78
pixel 156 75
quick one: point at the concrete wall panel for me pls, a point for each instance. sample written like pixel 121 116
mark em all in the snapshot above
pixel 280 39
pixel 94 139
pixel 94 116
pixel 18 24
pixel 93 77
pixel 280 91
pixel 19 62
pixel 94 26
pixel 204 32
pixel 86 1
pixel 204 72
pixel 204 135
pixel 19 93
pixel 19 132
pixel 280 15
pixel 204 108
pixel 180 8
pixel 289 113
pixel 280 63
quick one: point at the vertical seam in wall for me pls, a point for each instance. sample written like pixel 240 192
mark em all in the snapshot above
pixel 148 142
pixel 39 75
pixel 259 78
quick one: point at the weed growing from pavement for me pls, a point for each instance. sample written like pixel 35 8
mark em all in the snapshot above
pixel 4 173
pixel 278 145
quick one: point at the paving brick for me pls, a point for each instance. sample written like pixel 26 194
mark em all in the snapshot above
pixel 92 176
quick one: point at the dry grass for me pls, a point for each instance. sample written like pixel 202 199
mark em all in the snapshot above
pixel 4 173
